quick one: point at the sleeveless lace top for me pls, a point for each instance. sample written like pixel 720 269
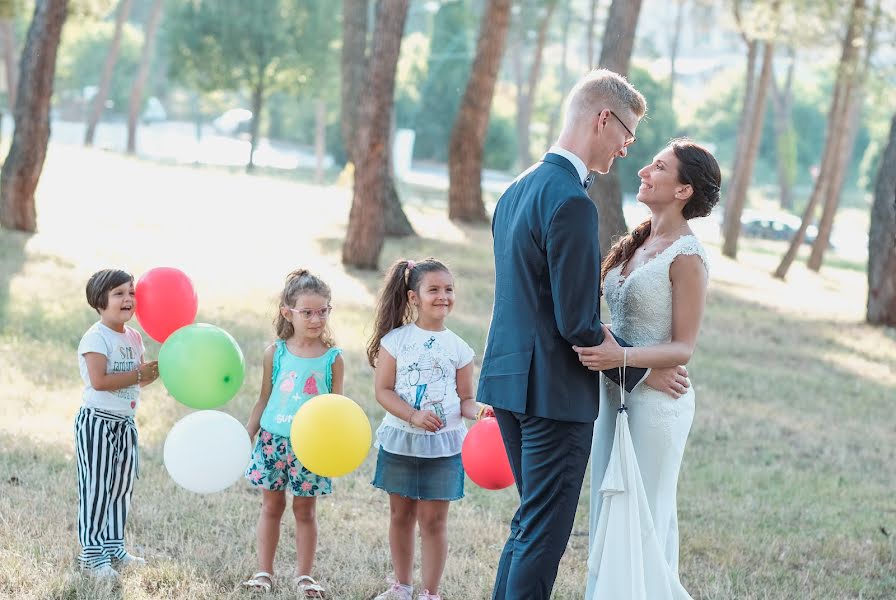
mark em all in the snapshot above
pixel 641 304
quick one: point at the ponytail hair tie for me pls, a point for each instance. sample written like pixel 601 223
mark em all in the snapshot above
pixel 411 265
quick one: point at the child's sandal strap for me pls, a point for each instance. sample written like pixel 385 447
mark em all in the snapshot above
pixel 257 584
pixel 307 584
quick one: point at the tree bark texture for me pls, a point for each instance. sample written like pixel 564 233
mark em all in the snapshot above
pixel 837 122
pixel 564 75
pixel 99 100
pixel 751 136
pixel 320 138
pixel 23 165
pixel 468 136
pixel 527 89
pixel 136 100
pixel 589 33
pixel 673 47
pixel 782 102
pixel 354 67
pixel 366 225
pixel 11 60
pixel 615 55
pixel 853 114
pixel 882 240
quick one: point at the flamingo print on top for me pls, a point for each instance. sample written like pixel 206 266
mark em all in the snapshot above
pixel 295 380
pixel 288 384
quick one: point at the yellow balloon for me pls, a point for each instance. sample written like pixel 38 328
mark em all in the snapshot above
pixel 330 435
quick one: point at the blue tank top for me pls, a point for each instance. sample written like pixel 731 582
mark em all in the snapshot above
pixel 295 380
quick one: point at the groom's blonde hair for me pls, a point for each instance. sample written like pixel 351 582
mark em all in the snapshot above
pixel 601 89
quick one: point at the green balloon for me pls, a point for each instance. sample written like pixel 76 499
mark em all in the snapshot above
pixel 201 365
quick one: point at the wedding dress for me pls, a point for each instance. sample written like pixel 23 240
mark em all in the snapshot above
pixel 636 453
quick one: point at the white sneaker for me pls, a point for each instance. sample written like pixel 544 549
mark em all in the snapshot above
pixel 129 561
pixel 397 591
pixel 425 595
pixel 105 572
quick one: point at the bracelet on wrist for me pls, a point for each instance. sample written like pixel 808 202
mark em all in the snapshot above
pixel 139 376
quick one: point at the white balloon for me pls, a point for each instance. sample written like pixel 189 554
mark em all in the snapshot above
pixel 207 451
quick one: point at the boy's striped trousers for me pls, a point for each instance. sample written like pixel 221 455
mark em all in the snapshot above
pixel 106 453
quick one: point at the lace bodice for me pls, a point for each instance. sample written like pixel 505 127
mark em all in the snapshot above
pixel 641 304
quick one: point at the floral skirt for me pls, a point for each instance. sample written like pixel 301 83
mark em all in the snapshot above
pixel 274 467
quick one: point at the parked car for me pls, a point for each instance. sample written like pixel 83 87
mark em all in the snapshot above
pixel 233 122
pixel 775 227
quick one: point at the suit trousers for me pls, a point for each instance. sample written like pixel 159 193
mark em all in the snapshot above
pixel 548 459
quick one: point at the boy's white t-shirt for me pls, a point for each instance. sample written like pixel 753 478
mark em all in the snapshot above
pixel 426 378
pixel 124 353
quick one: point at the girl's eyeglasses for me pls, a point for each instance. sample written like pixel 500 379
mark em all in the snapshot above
pixel 307 314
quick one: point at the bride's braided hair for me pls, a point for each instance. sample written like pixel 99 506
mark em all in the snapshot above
pixel 698 168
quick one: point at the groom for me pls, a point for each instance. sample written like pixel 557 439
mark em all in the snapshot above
pixel 547 294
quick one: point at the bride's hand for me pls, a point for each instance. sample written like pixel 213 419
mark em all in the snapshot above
pixel 608 355
pixel 672 381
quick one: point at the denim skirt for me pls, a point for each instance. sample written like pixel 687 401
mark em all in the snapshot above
pixel 420 478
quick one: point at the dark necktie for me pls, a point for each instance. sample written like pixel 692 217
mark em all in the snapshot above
pixel 589 180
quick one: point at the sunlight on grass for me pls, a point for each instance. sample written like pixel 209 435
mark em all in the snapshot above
pixel 787 481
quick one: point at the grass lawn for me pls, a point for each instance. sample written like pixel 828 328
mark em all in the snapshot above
pixel 787 487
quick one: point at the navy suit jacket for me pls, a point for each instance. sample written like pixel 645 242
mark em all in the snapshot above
pixel 547 298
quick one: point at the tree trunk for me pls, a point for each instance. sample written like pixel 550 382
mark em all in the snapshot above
pixel 589 33
pixel 516 60
pixel 527 101
pixel 785 136
pixel 255 124
pixel 615 55
pixel 23 165
pixel 882 240
pixel 673 48
pixel 737 191
pixel 11 59
pixel 835 183
pixel 749 85
pixel 564 76
pixel 99 100
pixel 320 138
pixel 397 223
pixel 366 224
pixel 136 101
pixel 468 136
pixel 837 122
pixel 354 67
pixel 857 100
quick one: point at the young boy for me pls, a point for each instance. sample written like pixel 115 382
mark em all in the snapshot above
pixel 110 357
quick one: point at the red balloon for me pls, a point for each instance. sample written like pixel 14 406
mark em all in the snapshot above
pixel 484 456
pixel 166 301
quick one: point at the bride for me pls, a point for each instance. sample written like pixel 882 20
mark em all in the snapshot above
pixel 654 281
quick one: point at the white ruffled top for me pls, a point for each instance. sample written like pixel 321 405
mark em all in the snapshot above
pixel 425 378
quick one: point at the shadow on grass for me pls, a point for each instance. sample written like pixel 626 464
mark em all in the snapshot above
pixel 12 249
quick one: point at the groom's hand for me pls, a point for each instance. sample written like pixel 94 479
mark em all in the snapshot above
pixel 671 380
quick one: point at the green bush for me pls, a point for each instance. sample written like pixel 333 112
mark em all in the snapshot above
pixel 500 143
pixel 82 53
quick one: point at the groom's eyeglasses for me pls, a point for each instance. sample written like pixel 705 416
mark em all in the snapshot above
pixel 631 136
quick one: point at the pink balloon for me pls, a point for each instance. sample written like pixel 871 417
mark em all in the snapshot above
pixel 484 456
pixel 166 301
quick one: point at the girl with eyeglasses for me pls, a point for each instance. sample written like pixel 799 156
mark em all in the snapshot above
pixel 301 364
